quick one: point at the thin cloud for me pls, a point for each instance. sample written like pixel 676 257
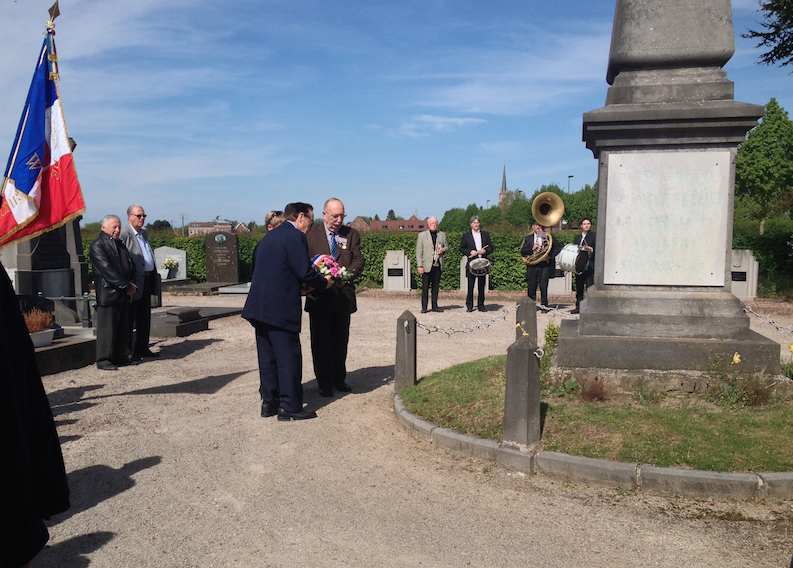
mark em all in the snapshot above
pixel 423 125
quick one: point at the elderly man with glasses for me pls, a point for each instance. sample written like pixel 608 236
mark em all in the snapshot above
pixel 136 239
pixel 329 310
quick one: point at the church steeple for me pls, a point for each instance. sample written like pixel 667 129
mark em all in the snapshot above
pixel 503 195
pixel 504 181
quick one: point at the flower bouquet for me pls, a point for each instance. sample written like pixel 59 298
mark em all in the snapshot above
pixel 327 265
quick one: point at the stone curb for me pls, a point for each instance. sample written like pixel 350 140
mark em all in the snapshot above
pixel 664 481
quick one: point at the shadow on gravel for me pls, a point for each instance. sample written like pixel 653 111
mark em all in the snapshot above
pixel 185 348
pixel 207 385
pixel 361 380
pixel 69 399
pixel 71 553
pixel 90 486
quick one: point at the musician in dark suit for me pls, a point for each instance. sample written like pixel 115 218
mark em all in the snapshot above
pixel 475 244
pixel 329 310
pixel 541 272
pixel 586 240
pixel 136 239
pixel 114 273
pixel 273 308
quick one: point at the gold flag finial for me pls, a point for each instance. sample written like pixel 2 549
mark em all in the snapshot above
pixel 54 13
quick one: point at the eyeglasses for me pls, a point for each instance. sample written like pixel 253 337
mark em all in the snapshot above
pixel 139 216
pixel 337 216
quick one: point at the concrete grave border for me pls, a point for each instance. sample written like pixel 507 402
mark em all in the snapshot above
pixel 665 481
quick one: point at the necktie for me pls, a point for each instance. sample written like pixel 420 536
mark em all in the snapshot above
pixel 333 245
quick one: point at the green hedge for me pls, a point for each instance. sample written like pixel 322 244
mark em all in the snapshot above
pixel 774 252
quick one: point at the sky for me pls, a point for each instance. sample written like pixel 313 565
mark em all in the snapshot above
pixel 198 109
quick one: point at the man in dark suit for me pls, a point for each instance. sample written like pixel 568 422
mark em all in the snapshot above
pixel 273 308
pixel 475 244
pixel 114 273
pixel 586 240
pixel 329 310
pixel 541 272
pixel 137 242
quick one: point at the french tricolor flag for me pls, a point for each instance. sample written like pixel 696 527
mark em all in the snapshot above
pixel 40 190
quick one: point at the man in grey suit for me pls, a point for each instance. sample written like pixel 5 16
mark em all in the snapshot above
pixel 430 248
pixel 136 240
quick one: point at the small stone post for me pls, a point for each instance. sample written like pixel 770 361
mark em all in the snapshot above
pixel 526 316
pixel 405 365
pixel 522 400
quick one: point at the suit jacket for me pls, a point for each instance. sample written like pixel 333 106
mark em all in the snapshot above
pixel 550 260
pixel 133 246
pixel 350 256
pixel 282 267
pixel 590 240
pixel 112 280
pixel 467 245
pixel 425 251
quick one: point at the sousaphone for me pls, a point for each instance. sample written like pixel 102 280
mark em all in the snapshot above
pixel 547 209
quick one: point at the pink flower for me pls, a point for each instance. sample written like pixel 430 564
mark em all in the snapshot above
pixel 335 272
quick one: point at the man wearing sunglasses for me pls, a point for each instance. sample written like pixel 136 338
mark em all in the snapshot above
pixel 136 240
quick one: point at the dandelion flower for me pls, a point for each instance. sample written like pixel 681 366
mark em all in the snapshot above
pixel 736 359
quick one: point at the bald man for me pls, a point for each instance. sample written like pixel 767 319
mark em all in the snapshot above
pixel 430 248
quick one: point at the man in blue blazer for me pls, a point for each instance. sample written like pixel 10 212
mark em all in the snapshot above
pixel 273 308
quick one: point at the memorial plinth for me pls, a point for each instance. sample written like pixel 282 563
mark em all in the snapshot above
pixel 666 142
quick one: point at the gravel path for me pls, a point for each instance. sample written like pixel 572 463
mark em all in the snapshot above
pixel 171 465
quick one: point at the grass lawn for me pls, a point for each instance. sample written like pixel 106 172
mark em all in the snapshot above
pixel 686 431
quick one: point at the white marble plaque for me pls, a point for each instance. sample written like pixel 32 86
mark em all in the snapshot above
pixel 666 221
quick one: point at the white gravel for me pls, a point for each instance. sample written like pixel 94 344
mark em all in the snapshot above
pixel 170 464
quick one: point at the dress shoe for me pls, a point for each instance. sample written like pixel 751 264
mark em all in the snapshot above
pixel 424 311
pixel 469 310
pixel 135 358
pixel 574 311
pixel 344 387
pixel 327 393
pixel 268 410
pixel 148 353
pixel 106 366
pixel 437 309
pixel 284 416
pixel 481 308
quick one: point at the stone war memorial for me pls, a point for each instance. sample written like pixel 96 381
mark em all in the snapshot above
pixel 666 143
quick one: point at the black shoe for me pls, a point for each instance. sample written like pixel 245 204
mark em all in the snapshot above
pixel 268 410
pixel 481 308
pixel 135 358
pixel 437 309
pixel 106 366
pixel 344 387
pixel 125 362
pixel 284 416
pixel 327 393
pixel 469 310
pixel 424 311
pixel 574 311
pixel 148 353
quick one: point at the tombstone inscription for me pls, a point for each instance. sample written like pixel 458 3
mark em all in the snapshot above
pixel 222 257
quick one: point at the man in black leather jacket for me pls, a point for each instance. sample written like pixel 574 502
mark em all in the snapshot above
pixel 114 274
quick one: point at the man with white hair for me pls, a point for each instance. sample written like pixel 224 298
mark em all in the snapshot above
pixel 430 248
pixel 114 276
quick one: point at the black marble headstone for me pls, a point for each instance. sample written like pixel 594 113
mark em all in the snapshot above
pixel 222 257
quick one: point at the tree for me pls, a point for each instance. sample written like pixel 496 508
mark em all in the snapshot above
pixel 159 226
pixel 510 198
pixel 491 216
pixel 778 34
pixel 582 204
pixel 391 215
pixel 454 220
pixel 376 217
pixel 519 213
pixel 764 166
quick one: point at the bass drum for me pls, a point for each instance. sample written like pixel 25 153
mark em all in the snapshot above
pixel 573 259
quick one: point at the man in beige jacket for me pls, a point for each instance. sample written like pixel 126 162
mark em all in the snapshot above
pixel 430 248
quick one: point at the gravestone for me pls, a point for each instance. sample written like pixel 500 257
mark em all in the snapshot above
pixel 396 271
pixel 743 273
pixel 179 255
pixel 222 257
pixel 666 143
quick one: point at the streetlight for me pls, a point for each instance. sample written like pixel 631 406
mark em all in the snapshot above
pixel 488 204
pixel 568 183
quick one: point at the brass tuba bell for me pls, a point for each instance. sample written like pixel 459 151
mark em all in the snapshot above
pixel 547 209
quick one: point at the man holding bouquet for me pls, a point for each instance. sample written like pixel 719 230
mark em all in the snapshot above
pixel 329 310
pixel 273 309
